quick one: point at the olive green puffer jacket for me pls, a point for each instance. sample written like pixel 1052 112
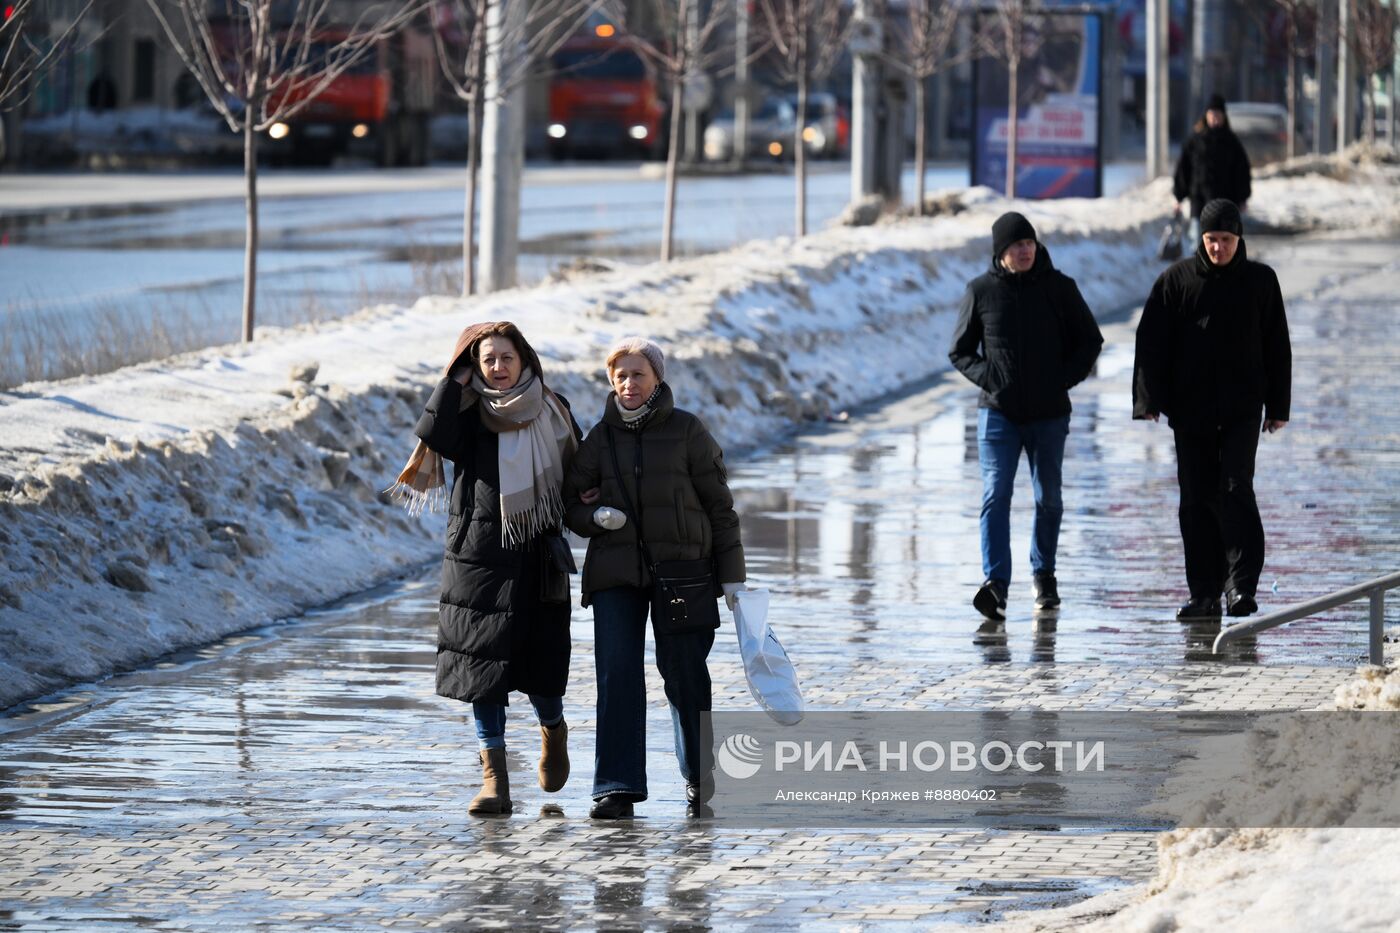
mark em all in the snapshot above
pixel 687 509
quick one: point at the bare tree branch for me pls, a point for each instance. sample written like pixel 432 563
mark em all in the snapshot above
pixel 1015 31
pixel 22 59
pixel 260 62
pixel 681 46
pixel 809 37
pixel 1372 40
pixel 543 28
pixel 921 50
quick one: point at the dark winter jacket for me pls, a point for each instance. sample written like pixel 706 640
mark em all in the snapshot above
pixel 687 509
pixel 494 634
pixel 1212 345
pixel 1025 339
pixel 1213 164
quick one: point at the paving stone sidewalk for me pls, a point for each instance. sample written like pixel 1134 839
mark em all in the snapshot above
pixel 305 776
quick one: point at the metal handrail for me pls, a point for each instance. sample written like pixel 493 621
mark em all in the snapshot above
pixel 1372 589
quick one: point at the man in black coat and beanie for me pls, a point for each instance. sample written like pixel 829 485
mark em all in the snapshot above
pixel 1024 336
pixel 1213 355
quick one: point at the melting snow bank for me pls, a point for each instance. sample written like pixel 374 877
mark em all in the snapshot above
pixel 168 504
pixel 1271 879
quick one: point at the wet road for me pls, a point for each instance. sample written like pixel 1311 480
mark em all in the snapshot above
pixel 173 269
pixel 305 773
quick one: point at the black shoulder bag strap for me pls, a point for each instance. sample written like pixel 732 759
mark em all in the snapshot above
pixel 636 513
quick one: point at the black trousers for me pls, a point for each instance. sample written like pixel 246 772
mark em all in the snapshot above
pixel 1220 528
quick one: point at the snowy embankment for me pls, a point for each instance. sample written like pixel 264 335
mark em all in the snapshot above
pixel 168 504
pixel 1276 879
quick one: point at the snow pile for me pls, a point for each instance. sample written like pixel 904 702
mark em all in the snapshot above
pixel 1277 879
pixel 1354 191
pixel 147 130
pixel 1373 688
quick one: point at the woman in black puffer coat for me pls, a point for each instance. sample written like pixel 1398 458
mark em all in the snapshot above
pixel 649 484
pixel 510 440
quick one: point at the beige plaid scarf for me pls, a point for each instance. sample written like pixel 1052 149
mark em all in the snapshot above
pixel 536 442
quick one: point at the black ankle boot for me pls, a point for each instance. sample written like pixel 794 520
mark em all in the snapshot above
pixel 612 807
pixel 700 792
pixel 1240 604
pixel 1204 607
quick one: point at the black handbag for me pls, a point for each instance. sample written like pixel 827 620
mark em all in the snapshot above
pixel 683 596
pixel 556 563
pixel 1169 247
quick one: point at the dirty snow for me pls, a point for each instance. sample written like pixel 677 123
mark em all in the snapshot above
pixel 1274 879
pixel 168 504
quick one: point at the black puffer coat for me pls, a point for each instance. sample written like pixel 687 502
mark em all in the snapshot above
pixel 687 508
pixel 1025 339
pixel 1213 164
pixel 1212 345
pixel 494 634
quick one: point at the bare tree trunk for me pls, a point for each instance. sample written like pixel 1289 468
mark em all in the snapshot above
pixel 801 154
pixel 250 243
pixel 469 219
pixel 1370 101
pixel 1013 68
pixel 668 216
pixel 920 156
pixel 1292 95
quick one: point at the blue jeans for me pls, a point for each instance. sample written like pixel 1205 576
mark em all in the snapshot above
pixel 619 636
pixel 999 444
pixel 491 719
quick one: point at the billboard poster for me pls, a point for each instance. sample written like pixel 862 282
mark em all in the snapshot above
pixel 1059 153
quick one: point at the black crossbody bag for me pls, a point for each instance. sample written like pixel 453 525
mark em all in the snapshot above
pixel 682 591
pixel 556 563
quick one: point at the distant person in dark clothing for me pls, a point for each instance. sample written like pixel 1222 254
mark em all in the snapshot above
pixel 102 93
pixel 1213 164
pixel 1213 355
pixel 1025 336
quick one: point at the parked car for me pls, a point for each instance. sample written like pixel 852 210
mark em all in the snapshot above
pixel 1262 128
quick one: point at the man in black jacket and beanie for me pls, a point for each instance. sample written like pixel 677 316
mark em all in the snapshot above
pixel 1024 336
pixel 1213 355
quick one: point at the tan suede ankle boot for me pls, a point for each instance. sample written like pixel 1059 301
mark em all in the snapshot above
pixel 554 756
pixel 494 797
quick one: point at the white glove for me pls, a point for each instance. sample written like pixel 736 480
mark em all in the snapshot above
pixel 731 593
pixel 608 519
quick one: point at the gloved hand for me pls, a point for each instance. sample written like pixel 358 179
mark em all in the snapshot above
pixel 731 593
pixel 608 519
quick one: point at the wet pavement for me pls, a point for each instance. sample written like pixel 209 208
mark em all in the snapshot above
pixel 306 775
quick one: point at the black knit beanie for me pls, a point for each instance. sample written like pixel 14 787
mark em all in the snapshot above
pixel 1216 102
pixel 1221 216
pixel 1009 228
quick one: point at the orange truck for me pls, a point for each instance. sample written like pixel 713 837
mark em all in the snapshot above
pixel 604 100
pixel 380 107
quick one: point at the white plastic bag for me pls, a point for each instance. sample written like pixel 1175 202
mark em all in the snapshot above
pixel 772 678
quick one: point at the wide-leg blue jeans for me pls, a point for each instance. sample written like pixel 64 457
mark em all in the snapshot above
pixel 619 637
